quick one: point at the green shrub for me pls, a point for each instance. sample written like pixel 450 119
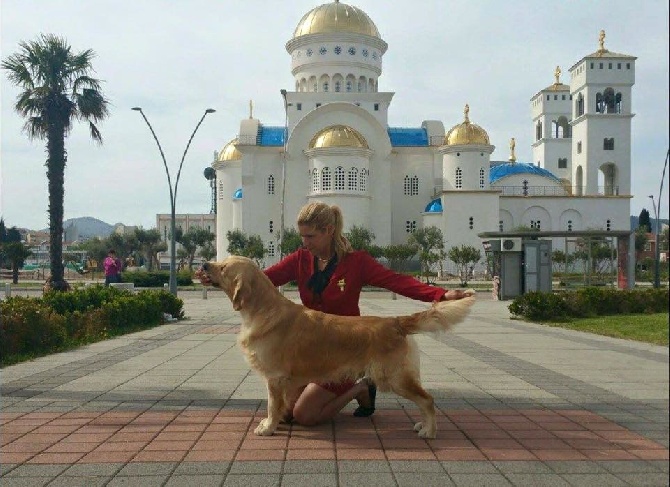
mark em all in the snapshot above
pixel 29 326
pixel 82 298
pixel 539 306
pixel 588 302
pixel 170 303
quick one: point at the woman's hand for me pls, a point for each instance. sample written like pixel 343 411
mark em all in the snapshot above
pixel 203 277
pixel 454 294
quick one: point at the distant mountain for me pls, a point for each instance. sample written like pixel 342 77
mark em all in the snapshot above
pixel 84 228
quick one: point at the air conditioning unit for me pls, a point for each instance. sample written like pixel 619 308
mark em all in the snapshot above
pixel 510 244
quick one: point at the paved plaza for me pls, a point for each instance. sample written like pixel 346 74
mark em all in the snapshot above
pixel 518 404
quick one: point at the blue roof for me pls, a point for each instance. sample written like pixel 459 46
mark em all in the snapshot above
pixel 434 206
pixel 507 169
pixel 408 137
pixel 270 136
pixel 238 194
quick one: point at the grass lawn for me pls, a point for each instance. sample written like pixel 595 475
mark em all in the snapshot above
pixel 650 328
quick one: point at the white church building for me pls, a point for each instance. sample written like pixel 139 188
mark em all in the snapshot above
pixel 336 146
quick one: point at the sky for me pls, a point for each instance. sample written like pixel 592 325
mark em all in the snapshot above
pixel 177 58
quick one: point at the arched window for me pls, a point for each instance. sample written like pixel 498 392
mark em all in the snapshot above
pixel 538 130
pixel 481 178
pixel 363 183
pixel 326 181
pixel 339 178
pixel 619 106
pixel 271 184
pixel 352 179
pixel 315 180
pixel 609 100
pixel 338 86
pixel 325 86
pixel 599 103
pixel 459 178
pixel 349 86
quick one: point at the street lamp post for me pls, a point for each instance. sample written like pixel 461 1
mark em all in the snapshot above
pixel 173 194
pixel 283 178
pixel 657 255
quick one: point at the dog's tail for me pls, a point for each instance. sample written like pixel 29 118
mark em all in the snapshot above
pixel 440 317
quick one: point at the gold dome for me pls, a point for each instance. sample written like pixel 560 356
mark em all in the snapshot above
pixel 230 152
pixel 467 133
pixel 338 136
pixel 335 17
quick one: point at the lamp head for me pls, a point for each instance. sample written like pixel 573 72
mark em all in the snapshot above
pixel 137 109
pixel 210 110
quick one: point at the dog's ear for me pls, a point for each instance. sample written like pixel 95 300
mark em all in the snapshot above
pixel 240 292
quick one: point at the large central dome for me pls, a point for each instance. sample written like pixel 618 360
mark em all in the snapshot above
pixel 335 17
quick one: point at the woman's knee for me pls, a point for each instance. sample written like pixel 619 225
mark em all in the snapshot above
pixel 305 416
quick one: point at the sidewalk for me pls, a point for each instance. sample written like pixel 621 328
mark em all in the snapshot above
pixel 518 404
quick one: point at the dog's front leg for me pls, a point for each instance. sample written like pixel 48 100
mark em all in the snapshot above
pixel 276 408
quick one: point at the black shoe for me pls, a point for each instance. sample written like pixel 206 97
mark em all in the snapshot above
pixel 364 412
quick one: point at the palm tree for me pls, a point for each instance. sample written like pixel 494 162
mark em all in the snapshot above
pixel 57 90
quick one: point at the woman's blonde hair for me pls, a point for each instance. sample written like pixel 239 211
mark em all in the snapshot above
pixel 319 215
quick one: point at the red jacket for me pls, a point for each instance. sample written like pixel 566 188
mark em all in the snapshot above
pixel 355 270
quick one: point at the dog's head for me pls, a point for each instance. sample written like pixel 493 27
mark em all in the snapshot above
pixel 235 275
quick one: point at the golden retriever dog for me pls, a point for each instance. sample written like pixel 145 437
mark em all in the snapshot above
pixel 291 345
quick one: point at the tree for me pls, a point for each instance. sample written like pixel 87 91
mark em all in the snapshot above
pixel 16 254
pixel 150 243
pixel 398 255
pixel 9 252
pixel 191 240
pixel 640 240
pixel 208 251
pixel 57 90
pixel 291 241
pixel 430 243
pixel 361 238
pixel 644 220
pixel 464 257
pixel 250 246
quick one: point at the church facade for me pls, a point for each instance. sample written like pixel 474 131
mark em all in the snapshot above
pixel 336 146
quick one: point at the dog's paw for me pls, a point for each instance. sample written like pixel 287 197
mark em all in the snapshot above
pixel 424 431
pixel 264 428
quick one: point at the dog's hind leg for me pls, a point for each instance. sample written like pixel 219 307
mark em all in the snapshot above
pixel 276 408
pixel 409 387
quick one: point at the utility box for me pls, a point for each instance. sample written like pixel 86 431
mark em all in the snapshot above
pixel 511 283
pixel 537 273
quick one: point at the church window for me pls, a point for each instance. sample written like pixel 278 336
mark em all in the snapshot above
pixel 415 185
pixel 459 178
pixel 580 105
pixel 591 65
pixel 298 106
pixel 374 55
pixel 271 226
pixel 627 65
pixel 315 180
pixel 309 52
pixel 555 97
pixel 359 86
pixel 352 179
pixel 220 190
pixel 600 66
pixel 323 51
pixel 609 225
pixel 618 65
pixel 471 223
pixel 500 225
pixel 407 187
pixel 271 184
pixel 376 107
pixel 579 147
pixel 338 50
pixel 271 248
pixel 318 105
pixel 326 179
pixel 481 178
pixel 569 225
pixel 350 86
pixel 525 187
pixel 562 97
pixel 364 52
pixel 339 178
pixel 538 130
pixel 410 226
pixel 617 102
pixel 535 224
pixel 548 97
pixel 609 66
pixel 362 186
pixel 608 144
pixel 338 86
pixel 352 51
pixel 562 162
pixel 325 86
